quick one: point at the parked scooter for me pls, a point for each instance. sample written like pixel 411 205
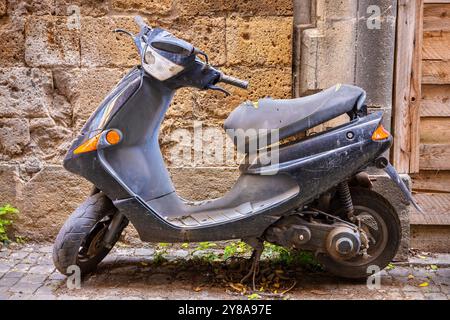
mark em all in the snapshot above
pixel 315 197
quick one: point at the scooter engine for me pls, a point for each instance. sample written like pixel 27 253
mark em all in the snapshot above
pixel 339 240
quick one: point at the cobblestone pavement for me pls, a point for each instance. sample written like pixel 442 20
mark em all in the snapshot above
pixel 27 272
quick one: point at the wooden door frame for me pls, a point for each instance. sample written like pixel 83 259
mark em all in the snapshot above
pixel 407 86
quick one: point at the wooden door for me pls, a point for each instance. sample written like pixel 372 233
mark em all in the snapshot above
pixel 422 107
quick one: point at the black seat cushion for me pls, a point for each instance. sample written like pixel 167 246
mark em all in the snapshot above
pixel 291 116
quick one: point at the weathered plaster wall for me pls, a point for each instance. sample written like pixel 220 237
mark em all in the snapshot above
pixel 53 77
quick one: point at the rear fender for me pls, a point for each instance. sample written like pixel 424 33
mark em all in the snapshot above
pixel 383 163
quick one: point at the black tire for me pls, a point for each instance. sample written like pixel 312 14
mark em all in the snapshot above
pixel 358 269
pixel 82 225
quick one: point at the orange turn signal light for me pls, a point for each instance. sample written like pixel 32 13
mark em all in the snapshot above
pixel 380 133
pixel 89 145
pixel 113 137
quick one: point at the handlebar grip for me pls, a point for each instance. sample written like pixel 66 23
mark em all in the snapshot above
pixel 140 22
pixel 234 81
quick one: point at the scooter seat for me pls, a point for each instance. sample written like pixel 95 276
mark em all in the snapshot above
pixel 290 116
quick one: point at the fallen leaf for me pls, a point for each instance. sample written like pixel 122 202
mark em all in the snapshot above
pixel 421 257
pixel 390 266
pixel 410 276
pixel 254 296
pixel 237 286
pixel 198 289
pixel 424 284
pixel 319 292
pixel 144 263
pixel 434 267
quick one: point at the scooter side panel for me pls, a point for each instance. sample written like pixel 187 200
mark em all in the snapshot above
pixel 88 165
pixel 137 160
pixel 322 161
pixel 152 228
pixel 136 165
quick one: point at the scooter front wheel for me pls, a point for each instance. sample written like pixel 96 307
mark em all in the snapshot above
pixel 79 242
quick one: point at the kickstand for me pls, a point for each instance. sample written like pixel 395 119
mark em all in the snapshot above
pixel 258 248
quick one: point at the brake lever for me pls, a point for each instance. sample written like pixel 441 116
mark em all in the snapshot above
pixel 136 39
pixel 217 88
pixel 123 31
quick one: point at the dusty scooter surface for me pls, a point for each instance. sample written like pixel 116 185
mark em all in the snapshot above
pixel 309 194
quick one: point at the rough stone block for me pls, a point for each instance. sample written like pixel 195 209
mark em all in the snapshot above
pixel 180 115
pixel 265 41
pixel 84 89
pixel 100 46
pixel 46 201
pixel 261 8
pixel 158 7
pixel 49 42
pixel 50 139
pixel 194 8
pixel 61 110
pixel 23 7
pixel 244 8
pixel 201 184
pixel 12 46
pixel 25 92
pixel 9 180
pixel 263 82
pixel 182 106
pixel 212 108
pixel 94 8
pixel 3 7
pixel 388 189
pixel 14 136
pixel 205 33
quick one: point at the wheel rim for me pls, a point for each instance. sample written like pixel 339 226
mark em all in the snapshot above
pixel 92 246
pixel 376 231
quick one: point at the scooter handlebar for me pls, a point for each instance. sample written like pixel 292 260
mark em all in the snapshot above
pixel 234 81
pixel 140 22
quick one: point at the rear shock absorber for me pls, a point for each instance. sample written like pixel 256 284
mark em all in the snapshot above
pixel 346 199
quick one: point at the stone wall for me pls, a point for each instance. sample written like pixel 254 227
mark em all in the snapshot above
pixel 52 76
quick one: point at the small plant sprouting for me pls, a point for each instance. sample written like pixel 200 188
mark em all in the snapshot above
pixel 290 257
pixel 160 251
pixel 20 240
pixel 6 213
pixel 205 245
pixel 235 249
pixel 185 245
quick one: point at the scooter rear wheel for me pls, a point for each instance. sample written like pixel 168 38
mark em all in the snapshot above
pixel 79 241
pixel 382 225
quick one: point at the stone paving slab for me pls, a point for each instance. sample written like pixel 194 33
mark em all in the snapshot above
pixel 26 272
pixel 442 260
